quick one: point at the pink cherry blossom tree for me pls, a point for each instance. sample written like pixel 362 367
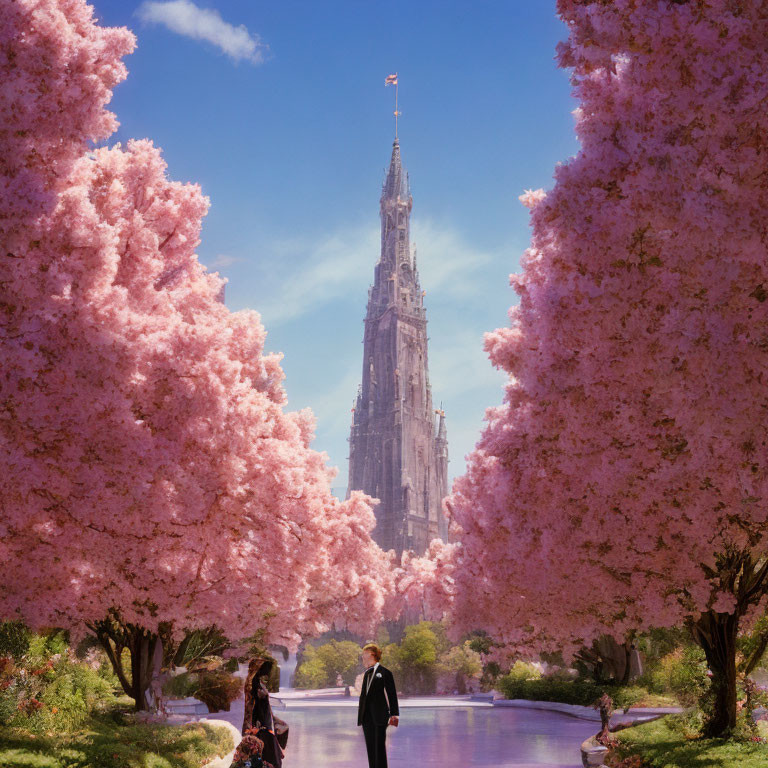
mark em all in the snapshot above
pixel 151 473
pixel 623 483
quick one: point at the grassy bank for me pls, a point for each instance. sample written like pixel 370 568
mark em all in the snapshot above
pixel 112 740
pixel 661 745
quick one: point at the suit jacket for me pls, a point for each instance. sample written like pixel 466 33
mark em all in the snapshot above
pixel 381 699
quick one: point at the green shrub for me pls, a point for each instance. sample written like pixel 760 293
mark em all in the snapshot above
pixel 67 695
pixel 522 671
pixel 181 686
pixel 14 639
pixel 216 688
pixel 46 688
pixel 683 672
pixel 580 691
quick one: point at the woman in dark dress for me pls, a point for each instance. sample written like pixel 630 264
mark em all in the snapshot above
pixel 258 712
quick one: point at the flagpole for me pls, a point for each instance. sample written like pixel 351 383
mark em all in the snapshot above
pixel 396 86
pixel 392 80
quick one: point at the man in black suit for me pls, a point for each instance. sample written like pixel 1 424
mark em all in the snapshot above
pixel 378 706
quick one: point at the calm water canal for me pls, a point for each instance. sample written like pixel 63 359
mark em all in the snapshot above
pixel 450 737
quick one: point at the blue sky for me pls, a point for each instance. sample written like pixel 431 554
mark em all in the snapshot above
pixel 278 110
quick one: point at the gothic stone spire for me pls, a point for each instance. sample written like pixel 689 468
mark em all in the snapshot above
pixel 398 453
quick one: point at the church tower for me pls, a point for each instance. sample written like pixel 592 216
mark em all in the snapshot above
pixel 398 448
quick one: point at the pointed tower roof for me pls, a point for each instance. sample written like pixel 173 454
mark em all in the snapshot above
pixel 442 434
pixel 396 184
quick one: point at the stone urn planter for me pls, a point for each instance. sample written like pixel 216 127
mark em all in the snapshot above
pixel 592 753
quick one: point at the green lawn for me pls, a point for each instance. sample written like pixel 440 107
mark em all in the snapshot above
pixel 662 747
pixel 111 741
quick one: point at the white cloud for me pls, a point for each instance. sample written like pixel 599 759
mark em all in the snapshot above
pixel 224 260
pixel 186 18
pixel 447 263
pixel 301 275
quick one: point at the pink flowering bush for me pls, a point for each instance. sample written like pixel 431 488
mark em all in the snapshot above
pixel 623 483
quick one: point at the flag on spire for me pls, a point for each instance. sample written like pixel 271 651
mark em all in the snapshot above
pixel 391 79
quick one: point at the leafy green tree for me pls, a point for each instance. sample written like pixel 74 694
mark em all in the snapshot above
pixel 463 663
pixel 340 657
pixel 321 665
pixel 311 672
pixel 415 661
pixel 481 642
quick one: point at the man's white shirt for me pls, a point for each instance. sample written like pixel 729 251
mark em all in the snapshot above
pixel 370 679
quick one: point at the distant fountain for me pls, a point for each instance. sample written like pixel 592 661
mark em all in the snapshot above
pixel 287 668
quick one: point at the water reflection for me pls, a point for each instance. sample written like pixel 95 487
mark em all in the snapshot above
pixel 452 737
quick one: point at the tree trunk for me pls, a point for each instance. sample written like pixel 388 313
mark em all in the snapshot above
pixel 114 637
pixel 716 634
pixel 142 648
pixel 625 679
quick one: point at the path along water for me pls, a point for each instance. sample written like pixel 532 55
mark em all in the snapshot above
pixel 450 733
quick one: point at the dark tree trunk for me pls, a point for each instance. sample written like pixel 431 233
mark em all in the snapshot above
pixel 627 663
pixel 114 637
pixel 142 648
pixel 716 634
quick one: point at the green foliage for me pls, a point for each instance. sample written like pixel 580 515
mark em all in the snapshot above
pixel 47 688
pixel 75 692
pixel 416 661
pixel 111 741
pixel 683 672
pixel 311 673
pixel 382 637
pixel 14 639
pixel 322 664
pixel 181 686
pixel 751 645
pixel 688 724
pixel 199 646
pixel 481 642
pixel 665 744
pixel 521 671
pixel 580 691
pixel 462 663
pixel 340 658
pixel 215 687
pixel 657 643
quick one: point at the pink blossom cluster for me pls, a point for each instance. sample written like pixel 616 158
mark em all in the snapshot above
pixel 630 449
pixel 532 197
pixel 425 583
pixel 149 462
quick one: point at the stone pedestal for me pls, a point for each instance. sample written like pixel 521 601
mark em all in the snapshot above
pixel 592 753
